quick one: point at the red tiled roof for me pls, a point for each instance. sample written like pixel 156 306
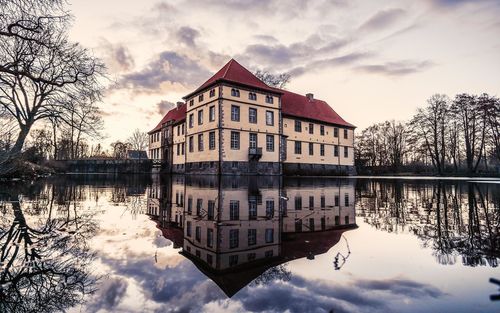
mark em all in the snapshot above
pixel 296 105
pixel 175 114
pixel 292 104
pixel 236 73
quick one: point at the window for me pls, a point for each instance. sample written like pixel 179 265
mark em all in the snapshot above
pixel 335 132
pixel 298 225
pixel 200 98
pixel 199 206
pixel 182 129
pixel 212 93
pixel 346 219
pixel 298 203
pixel 268 254
pixel 323 202
pixel 336 200
pixel 178 149
pixel 311 202
pixel 252 115
pixel 269 208
pixel 270 143
pixel 234 238
pixel 235 93
pixel 210 209
pixel 269 118
pixel 346 199
pixel 251 256
pixel 269 99
pixel 252 237
pixel 191 147
pixel 188 228
pixel 182 148
pixel 197 234
pixel 179 130
pixel 210 259
pixel 322 130
pixel 233 260
pixel 235 113
pixel 252 140
pixel 298 126
pixel 200 142
pixel 311 128
pixel 191 102
pixel 337 220
pixel 211 140
pixel 210 237
pixel 346 152
pixel 298 147
pixel 211 113
pixel 235 140
pixel 311 224
pixel 252 209
pixel 336 151
pixel 190 205
pixel 191 120
pixel 252 96
pixel 311 148
pixel 234 210
pixel 345 134
pixel 269 235
pixel 322 149
pixel 200 117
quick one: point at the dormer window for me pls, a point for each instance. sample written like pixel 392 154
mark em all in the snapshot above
pixel 191 102
pixel 235 93
pixel 269 99
pixel 252 96
pixel 200 98
pixel 212 93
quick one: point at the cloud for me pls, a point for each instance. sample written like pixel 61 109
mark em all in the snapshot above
pixel 109 294
pixel 401 286
pixel 167 68
pixel 164 106
pixel 343 60
pixel 398 68
pixel 187 35
pixel 382 19
pixel 117 56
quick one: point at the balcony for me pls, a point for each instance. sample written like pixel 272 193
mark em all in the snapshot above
pixel 254 153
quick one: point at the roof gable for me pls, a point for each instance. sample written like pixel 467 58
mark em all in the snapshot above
pixel 176 114
pixel 234 72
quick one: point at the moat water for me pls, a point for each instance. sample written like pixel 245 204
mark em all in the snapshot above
pixel 250 244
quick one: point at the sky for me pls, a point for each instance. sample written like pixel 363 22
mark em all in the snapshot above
pixel 370 60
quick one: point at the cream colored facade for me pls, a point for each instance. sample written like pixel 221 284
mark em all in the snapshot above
pixel 327 139
pixel 236 128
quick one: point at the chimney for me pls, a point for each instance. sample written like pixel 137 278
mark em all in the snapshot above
pixel 179 104
pixel 310 96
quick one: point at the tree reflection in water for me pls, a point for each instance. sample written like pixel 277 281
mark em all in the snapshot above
pixel 454 218
pixel 45 258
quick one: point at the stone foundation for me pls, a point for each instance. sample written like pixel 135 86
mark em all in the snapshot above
pixel 233 168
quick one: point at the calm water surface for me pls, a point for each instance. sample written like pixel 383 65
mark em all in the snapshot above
pixel 251 244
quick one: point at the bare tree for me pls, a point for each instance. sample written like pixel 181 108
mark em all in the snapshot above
pixel 40 69
pixel 273 80
pixel 429 127
pixel 138 140
pixel 120 149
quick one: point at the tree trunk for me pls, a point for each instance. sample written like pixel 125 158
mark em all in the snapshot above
pixel 21 138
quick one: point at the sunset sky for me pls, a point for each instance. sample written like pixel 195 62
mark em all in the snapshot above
pixel 370 60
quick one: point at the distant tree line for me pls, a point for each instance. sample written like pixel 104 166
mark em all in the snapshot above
pixel 460 135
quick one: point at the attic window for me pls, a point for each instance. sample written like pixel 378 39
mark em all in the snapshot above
pixel 191 102
pixel 252 96
pixel 200 98
pixel 269 99
pixel 235 93
pixel 212 93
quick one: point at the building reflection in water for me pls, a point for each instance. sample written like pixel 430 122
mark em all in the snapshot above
pixel 237 229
